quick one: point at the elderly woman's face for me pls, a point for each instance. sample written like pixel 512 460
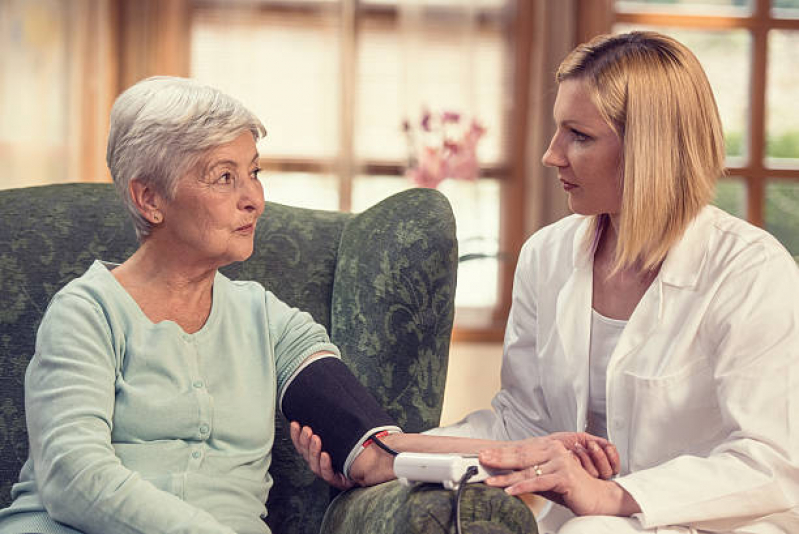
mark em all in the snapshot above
pixel 213 215
pixel 586 151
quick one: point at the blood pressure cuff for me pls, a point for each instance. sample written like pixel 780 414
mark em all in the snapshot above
pixel 327 397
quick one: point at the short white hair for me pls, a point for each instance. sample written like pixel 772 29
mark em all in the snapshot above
pixel 161 127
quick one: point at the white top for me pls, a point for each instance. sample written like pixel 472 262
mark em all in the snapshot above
pixel 702 388
pixel 605 334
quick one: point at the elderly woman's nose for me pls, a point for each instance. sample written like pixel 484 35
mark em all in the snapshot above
pixel 252 195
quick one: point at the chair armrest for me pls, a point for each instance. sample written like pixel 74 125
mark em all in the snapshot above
pixel 392 508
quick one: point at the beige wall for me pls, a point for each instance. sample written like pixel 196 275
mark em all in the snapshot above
pixel 472 379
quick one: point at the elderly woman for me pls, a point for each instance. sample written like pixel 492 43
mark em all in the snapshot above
pixel 649 317
pixel 151 397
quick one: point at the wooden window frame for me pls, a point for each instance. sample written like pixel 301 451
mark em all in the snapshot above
pixel 756 171
pixel 139 52
pixel 481 324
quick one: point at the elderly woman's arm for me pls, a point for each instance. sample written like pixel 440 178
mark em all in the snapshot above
pixel 374 465
pixel 70 393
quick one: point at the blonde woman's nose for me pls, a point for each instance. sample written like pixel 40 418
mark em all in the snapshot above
pixel 553 157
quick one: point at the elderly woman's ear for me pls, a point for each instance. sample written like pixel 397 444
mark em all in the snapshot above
pixel 147 201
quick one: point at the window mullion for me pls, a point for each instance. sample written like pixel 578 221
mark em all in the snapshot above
pixel 757 125
pixel 348 54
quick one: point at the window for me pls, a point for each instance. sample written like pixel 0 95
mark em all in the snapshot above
pixel 333 81
pixel 749 49
pixel 53 100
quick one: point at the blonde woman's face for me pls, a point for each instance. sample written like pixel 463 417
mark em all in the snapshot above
pixel 586 152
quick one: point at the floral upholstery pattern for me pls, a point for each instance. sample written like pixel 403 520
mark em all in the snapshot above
pixel 393 303
pixel 382 282
pixel 392 508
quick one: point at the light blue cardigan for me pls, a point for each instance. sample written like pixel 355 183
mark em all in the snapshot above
pixel 138 427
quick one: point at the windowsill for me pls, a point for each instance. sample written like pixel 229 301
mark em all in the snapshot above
pixel 478 325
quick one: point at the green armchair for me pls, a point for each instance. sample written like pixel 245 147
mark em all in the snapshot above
pixel 382 282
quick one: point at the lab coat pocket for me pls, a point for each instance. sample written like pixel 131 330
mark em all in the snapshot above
pixel 672 414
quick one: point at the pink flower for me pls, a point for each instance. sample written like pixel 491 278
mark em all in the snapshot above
pixel 463 166
pixel 451 146
pixel 444 149
pixel 450 116
pixel 426 117
pixel 429 170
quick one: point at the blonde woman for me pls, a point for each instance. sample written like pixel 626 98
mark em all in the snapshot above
pixel 649 318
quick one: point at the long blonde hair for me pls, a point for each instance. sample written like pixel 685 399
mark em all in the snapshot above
pixel 654 94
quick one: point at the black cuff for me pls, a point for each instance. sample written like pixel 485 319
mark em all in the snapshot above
pixel 327 397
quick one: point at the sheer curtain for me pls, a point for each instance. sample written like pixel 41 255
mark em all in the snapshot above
pixel 284 63
pixel 334 81
pixel 554 36
pixel 54 97
pixel 438 55
pixel 441 56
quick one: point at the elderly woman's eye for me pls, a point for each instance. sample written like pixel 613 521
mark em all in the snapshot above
pixel 225 179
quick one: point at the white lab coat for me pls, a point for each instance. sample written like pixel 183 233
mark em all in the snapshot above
pixel 702 388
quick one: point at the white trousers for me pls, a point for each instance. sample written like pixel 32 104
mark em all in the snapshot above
pixel 560 520
pixel 601 524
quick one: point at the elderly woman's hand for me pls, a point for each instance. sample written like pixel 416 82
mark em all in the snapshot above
pixel 598 456
pixel 548 466
pixel 372 466
pixel 309 446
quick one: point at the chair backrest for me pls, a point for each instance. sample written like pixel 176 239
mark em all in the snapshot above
pixel 382 282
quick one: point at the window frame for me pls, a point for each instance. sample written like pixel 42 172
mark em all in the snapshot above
pixel 754 171
pixel 472 324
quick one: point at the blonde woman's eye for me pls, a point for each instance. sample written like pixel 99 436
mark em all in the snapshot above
pixel 580 137
pixel 254 173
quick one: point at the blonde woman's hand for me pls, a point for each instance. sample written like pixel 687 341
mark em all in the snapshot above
pixel 548 467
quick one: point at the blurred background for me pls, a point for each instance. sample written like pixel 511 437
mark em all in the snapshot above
pixel 343 87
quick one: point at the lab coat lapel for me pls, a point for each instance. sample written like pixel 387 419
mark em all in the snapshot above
pixel 642 323
pixel 573 317
pixel 680 270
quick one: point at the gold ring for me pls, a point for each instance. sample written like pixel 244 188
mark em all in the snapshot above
pixel 537 470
